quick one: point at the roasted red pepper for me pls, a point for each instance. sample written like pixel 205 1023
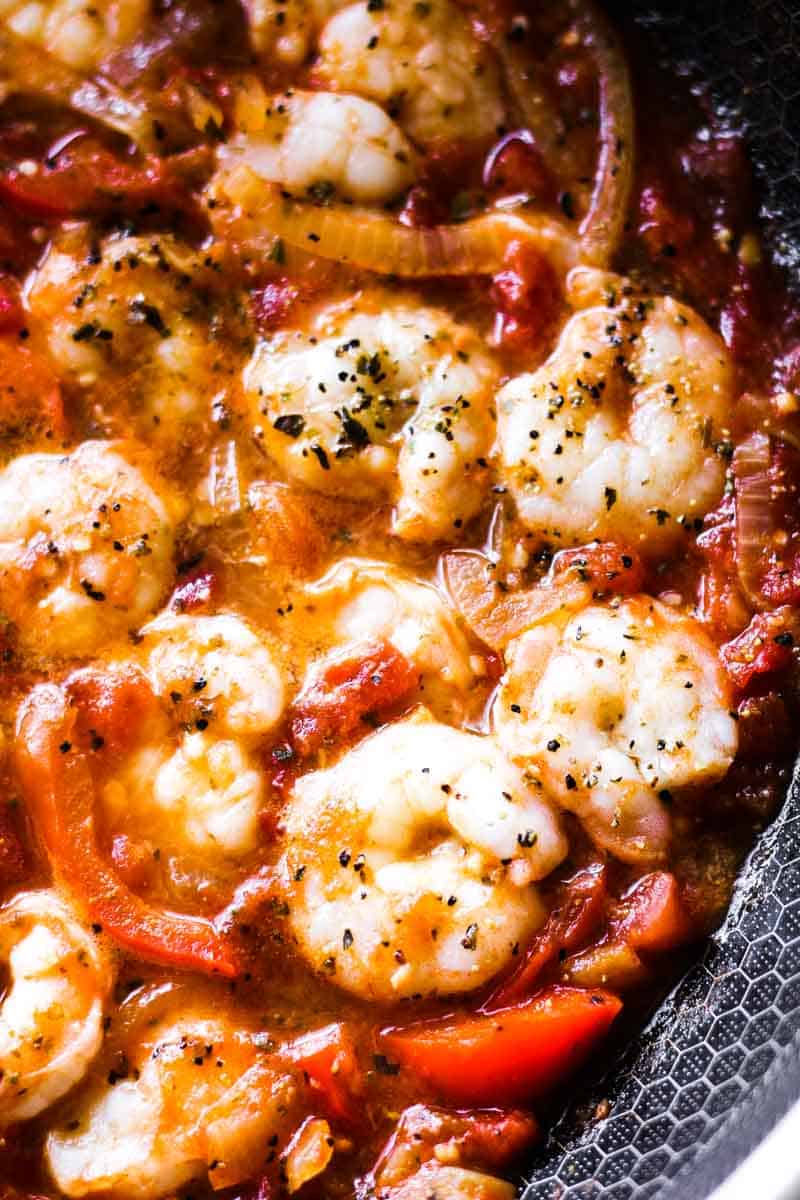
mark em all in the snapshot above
pixel 59 790
pixel 509 1056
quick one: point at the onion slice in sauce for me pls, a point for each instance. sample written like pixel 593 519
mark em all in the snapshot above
pixel 495 616
pixel 376 241
pixel 753 514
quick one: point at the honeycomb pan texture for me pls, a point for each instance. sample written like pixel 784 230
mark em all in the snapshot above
pixel 719 1063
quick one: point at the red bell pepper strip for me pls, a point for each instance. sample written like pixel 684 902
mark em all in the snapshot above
pixel 654 917
pixel 510 1056
pixel 577 914
pixel 59 791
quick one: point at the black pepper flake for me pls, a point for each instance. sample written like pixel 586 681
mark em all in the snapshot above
pixel 515 708
pixel 292 424
pixel 384 1066
pixel 570 782
pixel 321 457
pixel 92 592
pixel 553 745
pixel 470 938
pixel 347 939
pixel 65 747
pixel 567 205
pixel 611 497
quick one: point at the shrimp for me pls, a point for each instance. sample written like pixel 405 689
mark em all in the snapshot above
pixel 422 60
pixel 285 30
pixel 409 863
pixel 380 400
pixel 322 145
pixel 202 796
pixel 78 34
pixel 373 602
pixel 221 662
pixel 51 1019
pixel 616 709
pixel 135 330
pixel 620 434
pixel 86 543
pixel 201 1100
pixel 448 1183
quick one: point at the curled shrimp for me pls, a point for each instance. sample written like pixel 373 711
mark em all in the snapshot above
pixel 200 1101
pixel 424 59
pixel 621 433
pixel 51 1019
pixel 77 34
pixel 409 863
pixel 616 708
pixel 200 795
pixel 86 543
pixel 321 145
pixel 380 402
pixel 135 325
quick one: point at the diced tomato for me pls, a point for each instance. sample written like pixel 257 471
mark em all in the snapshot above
pixel 12 317
pixel 30 396
pixel 578 912
pixel 486 1139
pixel 86 178
pixel 113 707
pixel 664 229
pixel 12 852
pixel 59 791
pixel 515 164
pixel 607 566
pixel 763 648
pixel 526 296
pixel 509 1056
pixel 653 917
pixel 328 1058
pixel 347 691
pixel 272 304
pixel 200 587
pixel 765 727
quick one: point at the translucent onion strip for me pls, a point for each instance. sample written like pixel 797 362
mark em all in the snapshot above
pixel 754 520
pixel 602 227
pixel 376 241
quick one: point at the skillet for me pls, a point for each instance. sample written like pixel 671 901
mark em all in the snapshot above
pixel 718 1064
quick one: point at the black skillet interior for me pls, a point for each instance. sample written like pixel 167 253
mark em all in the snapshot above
pixel 719 1063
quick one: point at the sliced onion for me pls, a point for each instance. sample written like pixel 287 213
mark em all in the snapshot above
pixel 496 616
pixel 308 1154
pixel 602 227
pixel 613 965
pixel 754 519
pixel 376 241
pixel 26 68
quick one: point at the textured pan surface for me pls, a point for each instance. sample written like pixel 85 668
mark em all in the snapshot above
pixel 719 1063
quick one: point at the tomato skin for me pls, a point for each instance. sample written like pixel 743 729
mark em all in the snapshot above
pixel 13 862
pixel 328 1058
pixel 764 647
pixel 577 914
pixel 30 395
pixel 59 791
pixel 654 918
pixel 526 296
pixel 607 566
pixel 88 179
pixel 509 1056
pixel 112 707
pixel 347 691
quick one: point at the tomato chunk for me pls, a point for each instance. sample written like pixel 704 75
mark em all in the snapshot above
pixel 347 691
pixel 509 1056
pixel 30 396
pixel 764 647
pixel 526 296
pixel 328 1058
pixel 606 566
pixel 654 917
pixel 577 914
